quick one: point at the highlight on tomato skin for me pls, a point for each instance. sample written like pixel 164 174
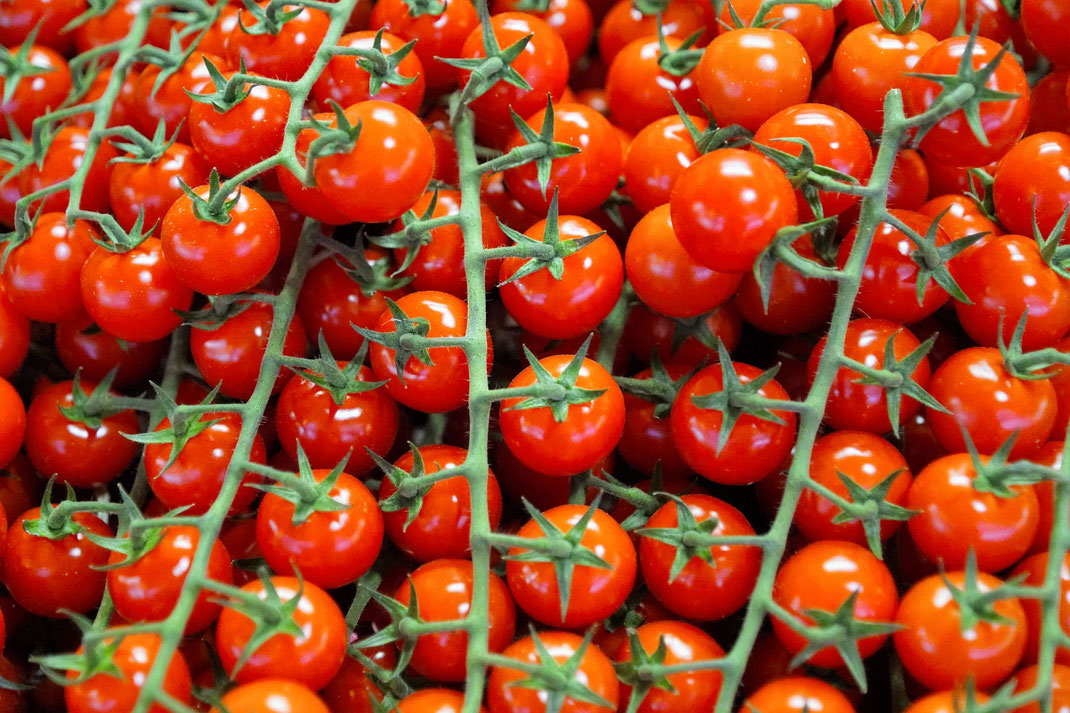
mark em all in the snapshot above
pixel 534 356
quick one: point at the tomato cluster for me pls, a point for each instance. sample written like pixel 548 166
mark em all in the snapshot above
pixel 582 356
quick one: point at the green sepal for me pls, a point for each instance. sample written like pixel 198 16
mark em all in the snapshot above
pixel 681 61
pixel 283 614
pixel 398 630
pixel 690 538
pixel 91 409
pixel 897 380
pixel 976 606
pixel 551 251
pixel 544 139
pixel 713 137
pixel 40 527
pixel 212 209
pixel 269 20
pixel 228 93
pixel 418 8
pixel 628 672
pixel 97 657
pixel 306 494
pixel 404 326
pixel 871 507
pixel 382 68
pixel 217 310
pixel 145 151
pixel 410 238
pixel 410 500
pixel 560 392
pixel 184 427
pixel 659 388
pixel 558 680
pixel 16 66
pixel 772 255
pixel 932 259
pixel 894 18
pixel 339 382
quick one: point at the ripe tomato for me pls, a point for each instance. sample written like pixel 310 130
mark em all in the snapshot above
pixel 65 153
pixel 268 695
pixel 442 526
pixel 17 21
pixel 936 649
pixel 595 593
pixel 543 64
pixel 962 218
pixel 1044 23
pixel 797 304
pixel 693 691
pixel 14 336
pixel 75 452
pixel 869 62
pixel 311 658
pixel 1050 454
pixel 727 206
pixel 134 295
pixel 41 276
pixel 197 474
pixel 664 275
pixel 439 263
pixel 444 590
pixel 229 355
pixel 387 169
pixel 344 81
pixel 13 427
pixel 658 154
pixel 754 448
pixel 625 23
pixel 639 91
pixel 909 184
pixel 1048 105
pixel 990 404
pixel 797 694
pixel 45 575
pixel 38 94
pixel 167 99
pixel 308 415
pixel 595 672
pixel 433 700
pixel 114 24
pixel 149 588
pixel 938 17
pixel 440 35
pixel 812 26
pixel 443 385
pixel 1033 176
pixel 197 250
pixel 702 590
pixel 647 438
pixel 329 549
pixel 353 689
pixel 582 181
pixel 1035 570
pixel 863 458
pixel 152 187
pixel 864 407
pixel 309 200
pixel 134 656
pixel 837 140
pixel 245 134
pixel 286 55
pixel 575 304
pixel 588 433
pixel 944 702
pixel 1027 680
pixel 747 75
pixel 572 20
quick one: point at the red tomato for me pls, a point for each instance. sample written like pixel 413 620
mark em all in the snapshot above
pixel 693 691
pixel 63 157
pixel 35 95
pixel 1035 571
pixel 344 81
pixel 575 304
pixel 436 35
pixel 797 304
pixel 702 590
pixel 658 154
pixel 1050 454
pixel 286 55
pixel 152 187
pixel 588 433
pixel 269 694
pixel 167 99
pixel 962 218
pixel 433 700
pixel 572 20
pixel 639 91
pixel 624 23
pixel 1048 104
pixel 14 336
pixel 647 438
pixel 134 656
pixel 812 26
pixel 797 694
pixel 49 18
pixel 352 690
pixel 442 525
pixel 114 24
pixel 309 200
pixel 938 17
pixel 312 657
pixel 1033 176
pixel 936 649
pixel 13 426
pixel 1027 680
pixel 1045 23
pixel 909 185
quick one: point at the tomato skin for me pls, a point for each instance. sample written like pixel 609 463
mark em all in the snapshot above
pixel 961 219
pixel 134 657
pixel 16 22
pixel 41 276
pixel 837 139
pixel 797 304
pixel 1005 279
pixel 1003 122
pixel 268 694
pixel 311 659
pixel 944 702
pixel 572 20
pixel 624 24
pixel 286 55
pixel 353 688
pixel 444 591
pixel 727 206
pixel 154 186
pixel 822 576
pixel 35 96
pixel 990 404
pixel 595 671
pixel 442 386
pixel 309 200
pixel 308 415
pixel 543 64
pixel 436 35
pixel 62 158
pixel 13 426
pixel 330 549
pixel 939 654
pixel 639 91
pixel 754 448
pixel 149 588
pixel 388 169
pixel 167 100
pixel 196 477
pixel 797 694
pixel 868 63
pixel 701 591
pixel 197 249
pixel 658 154
pixel 888 289
pixel 867 460
pixel 14 336
pixel 45 576
pixel 864 406
pixel 665 277
pixel 583 181
pixel 768 68
pixel 595 593
pixel 114 24
pixel 439 264
pixel 1035 569
pixel 695 691
pixel 1044 23
pixel 230 355
pixel 1027 680
pixel 433 700
pixel 80 455
pixel 244 135
pixel 1034 172
pixel 589 433
pixel 647 440
pixel 441 529
pixel 345 82
pixel 1049 109
pixel 938 17
pixel 577 303
pixel 134 295
pixel 812 26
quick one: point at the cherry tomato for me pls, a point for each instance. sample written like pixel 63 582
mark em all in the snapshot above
pixel 624 23
pixel 797 304
pixel 269 695
pixel 797 694
pixel 938 17
pixel 1049 109
pixel 639 91
pixel 285 55
pixel 812 26
pixel 35 95
pixel 960 217
pixel 647 438
pixel 114 24
pixel 658 154
pixel 63 157
pixel 433 700
pixel 167 99
pixel 49 18
pixel 1033 176
pixel 153 186
pixel 344 81
pixel 353 689
pixel 436 35
pixel 134 656
pixel 14 336
pixel 693 691
pixel 1045 22
pixel 309 200
pixel 1035 571
pixel 13 427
